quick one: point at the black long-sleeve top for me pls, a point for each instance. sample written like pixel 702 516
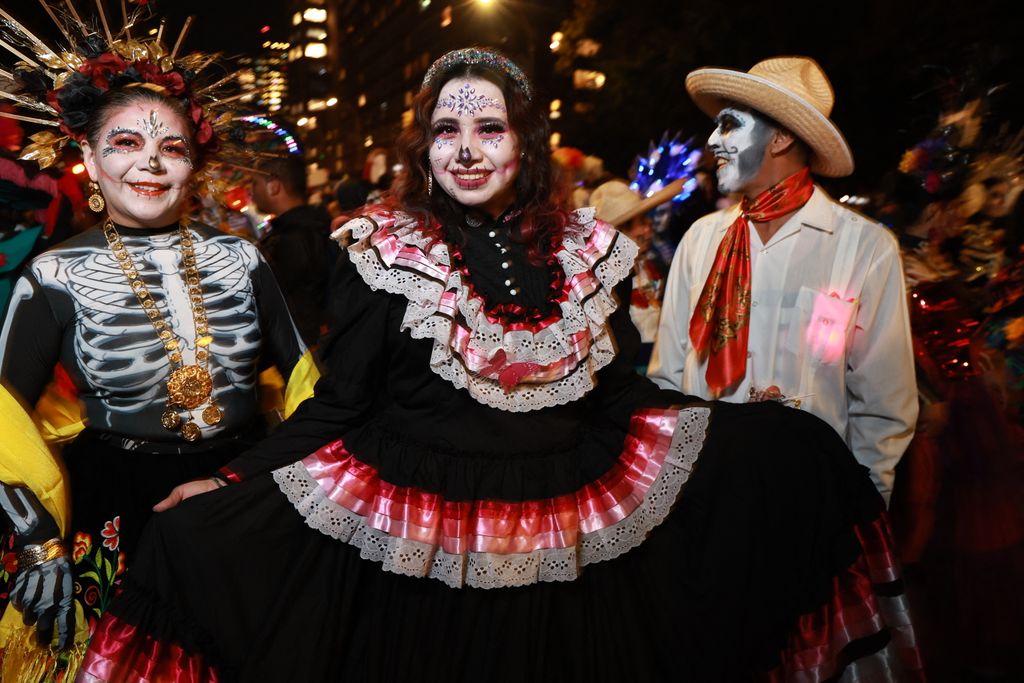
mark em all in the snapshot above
pixel 380 377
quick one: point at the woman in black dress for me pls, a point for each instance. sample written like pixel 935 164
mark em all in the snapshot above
pixel 483 488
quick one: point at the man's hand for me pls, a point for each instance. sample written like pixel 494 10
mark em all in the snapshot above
pixel 186 491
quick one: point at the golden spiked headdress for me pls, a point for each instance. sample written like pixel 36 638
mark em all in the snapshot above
pixel 60 88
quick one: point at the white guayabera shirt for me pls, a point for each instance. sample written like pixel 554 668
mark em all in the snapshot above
pixel 829 326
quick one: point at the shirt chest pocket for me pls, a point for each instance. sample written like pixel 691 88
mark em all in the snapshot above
pixel 820 326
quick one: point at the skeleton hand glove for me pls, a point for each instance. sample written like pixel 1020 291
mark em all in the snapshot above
pixel 43 586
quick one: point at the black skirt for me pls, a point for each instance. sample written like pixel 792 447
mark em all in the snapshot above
pixel 771 559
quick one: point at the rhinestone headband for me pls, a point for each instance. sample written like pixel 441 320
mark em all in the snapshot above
pixel 475 55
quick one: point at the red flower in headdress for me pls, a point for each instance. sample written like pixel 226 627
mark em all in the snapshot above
pixel 171 81
pixel 204 131
pixel 100 69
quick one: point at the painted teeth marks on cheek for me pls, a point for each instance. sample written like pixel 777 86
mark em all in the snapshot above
pixel 751 156
pixel 466 102
pixel 738 143
pixel 727 124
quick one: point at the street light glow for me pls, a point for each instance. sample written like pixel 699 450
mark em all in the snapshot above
pixel 331 101
pixel 315 50
pixel 315 15
pixel 302 121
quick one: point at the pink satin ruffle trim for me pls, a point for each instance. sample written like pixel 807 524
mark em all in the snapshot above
pixel 493 526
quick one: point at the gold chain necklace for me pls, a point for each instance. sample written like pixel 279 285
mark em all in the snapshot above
pixel 188 386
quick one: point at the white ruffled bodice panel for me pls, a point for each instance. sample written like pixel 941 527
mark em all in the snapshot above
pixel 512 367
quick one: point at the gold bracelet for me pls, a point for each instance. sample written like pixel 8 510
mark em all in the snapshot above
pixel 35 555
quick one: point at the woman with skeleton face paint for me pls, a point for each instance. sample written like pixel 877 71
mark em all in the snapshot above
pixel 483 486
pixel 157 327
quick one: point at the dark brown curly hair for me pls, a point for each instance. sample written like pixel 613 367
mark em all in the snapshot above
pixel 538 193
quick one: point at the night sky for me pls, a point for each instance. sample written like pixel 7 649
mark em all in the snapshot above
pixel 892 63
pixel 228 26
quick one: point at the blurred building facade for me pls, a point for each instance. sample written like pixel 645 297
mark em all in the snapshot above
pixel 354 66
pixel 265 76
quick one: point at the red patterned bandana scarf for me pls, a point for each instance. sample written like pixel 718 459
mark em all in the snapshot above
pixel 719 327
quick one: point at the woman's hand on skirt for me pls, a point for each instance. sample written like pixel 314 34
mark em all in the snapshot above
pixel 185 491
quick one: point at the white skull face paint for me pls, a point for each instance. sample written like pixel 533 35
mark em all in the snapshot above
pixel 143 164
pixel 738 143
pixel 474 156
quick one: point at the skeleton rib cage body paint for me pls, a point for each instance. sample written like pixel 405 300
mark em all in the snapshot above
pixel 75 304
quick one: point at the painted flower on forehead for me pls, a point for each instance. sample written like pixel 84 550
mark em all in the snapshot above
pixel 478 56
pixel 466 102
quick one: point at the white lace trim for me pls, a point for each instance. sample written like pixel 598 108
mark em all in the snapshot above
pixel 424 276
pixel 487 570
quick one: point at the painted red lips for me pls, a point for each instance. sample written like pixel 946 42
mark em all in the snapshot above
pixel 148 189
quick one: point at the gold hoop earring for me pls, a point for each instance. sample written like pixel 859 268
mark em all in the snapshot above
pixel 96 203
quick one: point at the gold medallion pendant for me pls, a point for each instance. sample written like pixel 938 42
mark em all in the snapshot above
pixel 189 386
pixel 190 431
pixel 170 419
pixel 212 414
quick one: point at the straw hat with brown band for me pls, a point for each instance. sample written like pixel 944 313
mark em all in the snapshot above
pixel 793 91
pixel 615 203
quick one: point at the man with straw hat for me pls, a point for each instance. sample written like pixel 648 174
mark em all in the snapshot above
pixel 788 295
